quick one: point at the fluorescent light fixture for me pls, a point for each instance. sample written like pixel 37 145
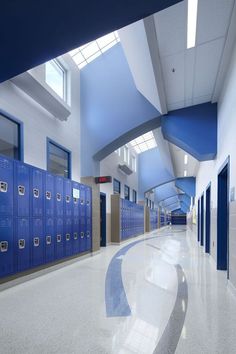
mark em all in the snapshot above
pixel 185 173
pixel 185 159
pixel 192 23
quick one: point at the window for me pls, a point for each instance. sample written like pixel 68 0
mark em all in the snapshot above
pixel 134 164
pixel 144 142
pixel 55 77
pixel 152 205
pixel 116 186
pixel 126 154
pixel 134 196
pixel 11 144
pixel 147 201
pixel 126 192
pixel 58 160
pixel 118 151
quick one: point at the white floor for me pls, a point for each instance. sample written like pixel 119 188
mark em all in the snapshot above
pixel 64 311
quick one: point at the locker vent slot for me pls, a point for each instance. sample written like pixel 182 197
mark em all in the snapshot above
pixel 75 235
pixel 58 197
pixel 3 246
pixel 67 237
pixel 21 190
pixel 21 244
pixel 48 240
pixel 58 238
pixel 82 234
pixel 36 193
pixel 48 195
pixel 68 199
pixel 3 187
pixel 36 241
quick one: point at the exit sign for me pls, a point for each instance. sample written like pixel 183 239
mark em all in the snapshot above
pixel 103 179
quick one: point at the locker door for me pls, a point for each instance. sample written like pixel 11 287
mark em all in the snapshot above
pixel 59 196
pixel 68 198
pixel 37 192
pixel 37 242
pixel 22 244
pixel 22 189
pixel 76 235
pixel 82 234
pixel 49 240
pixel 49 195
pixel 68 240
pixel 88 196
pixel 6 187
pixel 76 201
pixel 88 235
pixel 59 248
pixel 6 246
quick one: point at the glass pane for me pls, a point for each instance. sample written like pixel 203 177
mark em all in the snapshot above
pixel 9 138
pixel 58 161
pixel 55 77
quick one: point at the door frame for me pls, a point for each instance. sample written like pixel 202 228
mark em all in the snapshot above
pixel 103 242
pixel 202 220
pixel 208 221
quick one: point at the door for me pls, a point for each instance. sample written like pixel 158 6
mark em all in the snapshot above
pixel 103 241
pixel 223 219
pixel 198 220
pixel 202 220
pixel 208 220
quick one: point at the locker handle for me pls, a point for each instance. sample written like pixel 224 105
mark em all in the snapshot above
pixel 68 199
pixel 48 195
pixel 3 187
pixel 58 197
pixel 3 246
pixel 67 237
pixel 82 234
pixel 58 238
pixel 36 241
pixel 21 190
pixel 36 193
pixel 48 240
pixel 88 202
pixel 21 244
pixel 88 234
pixel 76 200
pixel 75 235
pixel 82 202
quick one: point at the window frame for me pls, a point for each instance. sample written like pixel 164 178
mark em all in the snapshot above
pixel 116 180
pixel 20 134
pixel 128 189
pixel 50 141
pixel 134 163
pixel 58 64
pixel 134 196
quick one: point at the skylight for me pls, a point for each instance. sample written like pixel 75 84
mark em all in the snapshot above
pixel 90 51
pixel 144 142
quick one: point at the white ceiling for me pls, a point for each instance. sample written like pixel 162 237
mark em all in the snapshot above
pixel 177 156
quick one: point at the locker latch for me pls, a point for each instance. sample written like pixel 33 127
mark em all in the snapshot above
pixel 36 241
pixel 68 199
pixel 75 235
pixel 82 234
pixel 48 195
pixel 21 244
pixel 3 246
pixel 58 197
pixel 88 202
pixel 82 202
pixel 48 240
pixel 21 190
pixel 76 200
pixel 67 237
pixel 36 193
pixel 58 238
pixel 3 186
pixel 88 234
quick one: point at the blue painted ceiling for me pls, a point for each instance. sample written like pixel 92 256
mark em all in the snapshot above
pixel 33 32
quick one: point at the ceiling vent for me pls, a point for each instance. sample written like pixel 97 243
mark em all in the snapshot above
pixel 125 169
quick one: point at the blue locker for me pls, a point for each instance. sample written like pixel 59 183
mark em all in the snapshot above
pixel 76 201
pixel 68 240
pixel 76 235
pixel 82 234
pixel 59 196
pixel 88 235
pixel 22 244
pixel 82 200
pixel 49 195
pixel 49 240
pixel 68 203
pixel 88 196
pixel 6 246
pixel 22 189
pixel 6 186
pixel 37 242
pixel 59 244
pixel 37 192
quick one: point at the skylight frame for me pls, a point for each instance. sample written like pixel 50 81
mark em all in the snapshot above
pixel 143 143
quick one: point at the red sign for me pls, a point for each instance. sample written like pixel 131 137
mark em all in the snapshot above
pixel 103 179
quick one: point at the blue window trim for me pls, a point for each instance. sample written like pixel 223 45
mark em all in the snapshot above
pixel 128 189
pixel 118 182
pixel 50 141
pixel 20 132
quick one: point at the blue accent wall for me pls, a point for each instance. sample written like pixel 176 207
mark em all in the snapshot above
pixel 193 129
pixel 187 185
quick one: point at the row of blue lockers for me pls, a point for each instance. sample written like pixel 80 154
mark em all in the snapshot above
pixel 27 191
pixel 30 242
pixel 162 219
pixel 131 219
pixel 178 219
pixel 153 219
pixel 168 219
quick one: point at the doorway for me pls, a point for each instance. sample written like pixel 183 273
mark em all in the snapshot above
pixel 208 220
pixel 223 217
pixel 198 220
pixel 103 237
pixel 202 220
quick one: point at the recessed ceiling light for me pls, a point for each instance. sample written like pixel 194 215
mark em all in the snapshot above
pixel 185 159
pixel 192 23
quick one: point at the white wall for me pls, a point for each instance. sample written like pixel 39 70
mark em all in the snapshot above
pixel 39 124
